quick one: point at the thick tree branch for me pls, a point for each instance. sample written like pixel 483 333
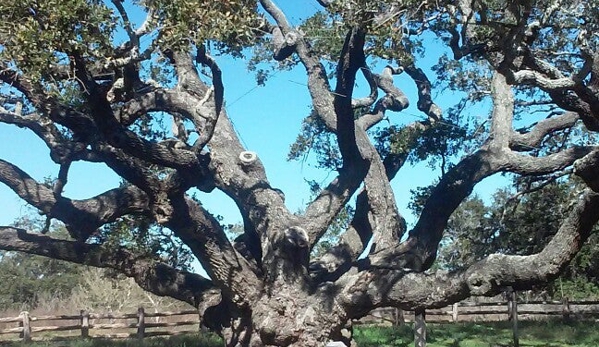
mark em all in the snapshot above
pixel 44 129
pixel 277 14
pixel 528 165
pixel 243 179
pixel 155 277
pixel 353 241
pixel 490 276
pixel 352 58
pixel 318 82
pixel 118 136
pixel 329 202
pixel 503 113
pixel 203 234
pixel 335 109
pixel 394 100
pixel 154 101
pixel 536 78
pixel 419 250
pixel 82 217
pixel 274 237
pixel 533 138
pixel 336 261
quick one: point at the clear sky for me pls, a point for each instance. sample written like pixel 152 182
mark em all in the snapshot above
pixel 267 119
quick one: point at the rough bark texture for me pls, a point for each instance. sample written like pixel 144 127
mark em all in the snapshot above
pixel 264 287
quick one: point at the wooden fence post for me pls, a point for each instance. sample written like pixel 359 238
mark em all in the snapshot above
pixel 26 324
pixel 512 305
pixel 141 323
pixel 565 309
pixel 419 328
pixel 84 324
pixel 454 312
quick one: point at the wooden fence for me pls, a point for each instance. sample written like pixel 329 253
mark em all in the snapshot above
pixel 484 312
pixel 87 324
pixel 490 312
pixel 143 324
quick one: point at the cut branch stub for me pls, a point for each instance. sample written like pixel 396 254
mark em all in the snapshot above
pixel 247 158
pixel 284 46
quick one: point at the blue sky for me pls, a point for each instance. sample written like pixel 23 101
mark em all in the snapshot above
pixel 267 119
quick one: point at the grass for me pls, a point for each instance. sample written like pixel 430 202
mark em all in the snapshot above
pixel 187 340
pixel 499 334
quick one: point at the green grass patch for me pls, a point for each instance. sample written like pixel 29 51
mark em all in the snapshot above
pixel 499 334
pixel 187 340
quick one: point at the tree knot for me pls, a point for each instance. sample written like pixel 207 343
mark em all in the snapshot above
pixel 479 284
pixel 297 236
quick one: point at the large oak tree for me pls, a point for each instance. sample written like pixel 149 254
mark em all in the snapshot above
pixel 89 99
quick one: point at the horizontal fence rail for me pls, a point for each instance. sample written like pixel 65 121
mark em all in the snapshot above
pixel 489 312
pixel 139 325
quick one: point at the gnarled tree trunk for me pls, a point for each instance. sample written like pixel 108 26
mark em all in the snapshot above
pixel 94 101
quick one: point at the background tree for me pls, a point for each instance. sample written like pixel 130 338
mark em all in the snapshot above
pixel 26 279
pixel 534 63
pixel 30 282
pixel 520 220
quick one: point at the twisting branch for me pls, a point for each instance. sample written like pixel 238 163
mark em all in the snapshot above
pixel 217 82
pixel 425 99
pixel 336 112
pixel 354 240
pixel 318 82
pixel 394 99
pixel 361 229
pixel 371 98
pixel 133 37
pixel 120 137
pixel 419 250
pixel 352 58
